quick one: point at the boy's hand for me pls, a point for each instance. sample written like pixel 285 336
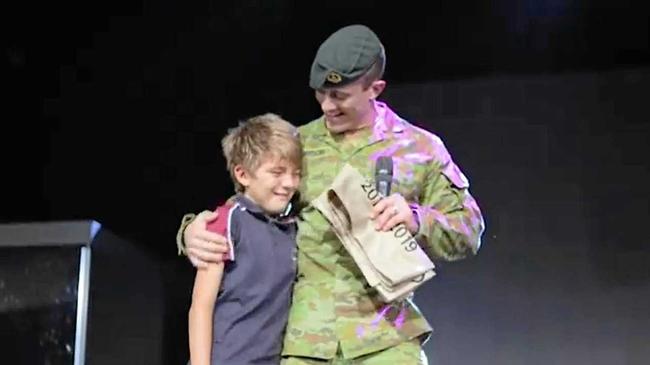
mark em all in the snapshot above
pixel 203 246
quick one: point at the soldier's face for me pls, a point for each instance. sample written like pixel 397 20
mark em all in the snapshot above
pixel 349 107
pixel 271 185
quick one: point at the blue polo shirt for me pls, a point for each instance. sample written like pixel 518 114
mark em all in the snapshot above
pixel 253 303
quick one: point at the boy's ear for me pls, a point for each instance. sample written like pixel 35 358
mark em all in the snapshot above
pixel 241 175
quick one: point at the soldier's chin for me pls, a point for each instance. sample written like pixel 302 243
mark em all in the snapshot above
pixel 338 126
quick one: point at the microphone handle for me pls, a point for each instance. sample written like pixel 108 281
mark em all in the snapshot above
pixel 383 187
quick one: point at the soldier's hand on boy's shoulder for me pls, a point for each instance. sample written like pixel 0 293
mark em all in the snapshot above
pixel 203 246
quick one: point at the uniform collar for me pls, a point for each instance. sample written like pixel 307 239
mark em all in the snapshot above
pixel 385 122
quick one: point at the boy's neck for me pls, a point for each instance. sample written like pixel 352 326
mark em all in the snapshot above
pixel 257 204
pixel 247 196
pixel 259 208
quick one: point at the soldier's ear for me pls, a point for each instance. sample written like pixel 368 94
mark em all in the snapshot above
pixel 376 88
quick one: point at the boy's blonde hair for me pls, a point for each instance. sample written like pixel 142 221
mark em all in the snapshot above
pixel 257 138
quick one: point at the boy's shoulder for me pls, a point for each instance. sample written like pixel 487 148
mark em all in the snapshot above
pixel 225 224
pixel 221 223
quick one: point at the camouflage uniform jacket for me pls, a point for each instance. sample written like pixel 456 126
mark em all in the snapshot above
pixel 332 305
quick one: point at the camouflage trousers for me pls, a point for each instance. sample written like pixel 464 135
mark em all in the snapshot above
pixel 406 353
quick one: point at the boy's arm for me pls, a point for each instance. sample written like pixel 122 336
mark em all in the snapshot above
pixel 204 297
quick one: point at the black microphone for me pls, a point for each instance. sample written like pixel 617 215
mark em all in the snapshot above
pixel 384 174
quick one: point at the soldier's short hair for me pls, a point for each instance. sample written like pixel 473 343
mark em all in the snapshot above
pixel 258 138
pixel 376 72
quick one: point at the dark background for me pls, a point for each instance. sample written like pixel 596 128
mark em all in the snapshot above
pixel 114 111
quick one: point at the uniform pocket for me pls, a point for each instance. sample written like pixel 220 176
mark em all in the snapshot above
pixel 453 173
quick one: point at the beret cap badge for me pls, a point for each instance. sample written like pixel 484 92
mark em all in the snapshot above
pixel 334 77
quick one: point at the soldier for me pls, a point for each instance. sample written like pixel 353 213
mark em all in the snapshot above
pixel 335 316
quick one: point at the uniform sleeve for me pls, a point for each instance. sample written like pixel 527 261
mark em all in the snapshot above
pixel 185 221
pixel 451 223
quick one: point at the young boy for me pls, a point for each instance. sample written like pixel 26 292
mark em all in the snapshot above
pixel 240 307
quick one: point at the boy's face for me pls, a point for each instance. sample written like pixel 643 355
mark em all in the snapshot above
pixel 271 185
pixel 348 107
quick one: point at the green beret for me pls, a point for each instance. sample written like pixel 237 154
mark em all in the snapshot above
pixel 345 56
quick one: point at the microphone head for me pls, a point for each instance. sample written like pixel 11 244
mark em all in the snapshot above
pixel 384 166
